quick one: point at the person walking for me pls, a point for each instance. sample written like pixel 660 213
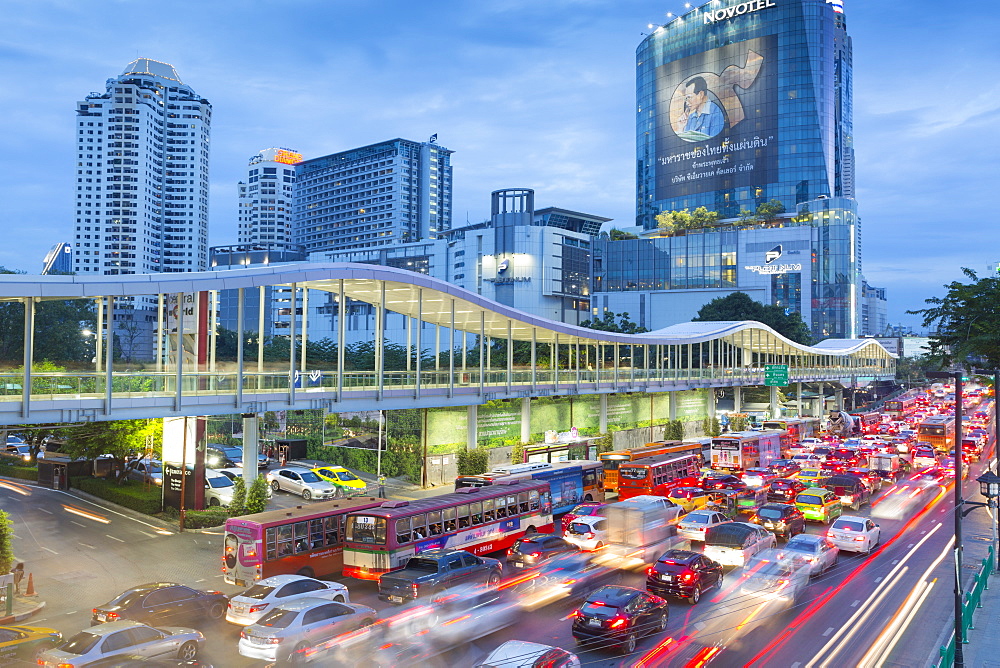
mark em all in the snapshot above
pixel 381 486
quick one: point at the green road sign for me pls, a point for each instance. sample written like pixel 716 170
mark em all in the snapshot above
pixel 775 375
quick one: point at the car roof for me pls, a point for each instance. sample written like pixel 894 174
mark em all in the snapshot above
pixel 616 594
pixel 807 538
pixel 277 580
pixel 680 556
pixel 150 586
pixel 306 603
pixel 516 653
pixel 587 519
pixel 112 627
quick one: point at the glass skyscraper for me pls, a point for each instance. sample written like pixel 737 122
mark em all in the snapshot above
pixel 739 103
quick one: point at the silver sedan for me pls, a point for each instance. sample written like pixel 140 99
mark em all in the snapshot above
pixel 817 550
pixel 298 625
pixel 124 638
pixel 300 481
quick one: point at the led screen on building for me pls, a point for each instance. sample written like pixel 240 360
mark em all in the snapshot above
pixel 717 119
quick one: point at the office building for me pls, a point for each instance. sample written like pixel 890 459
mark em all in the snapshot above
pixel 265 198
pixel 874 310
pixel 384 194
pixel 142 174
pixel 59 259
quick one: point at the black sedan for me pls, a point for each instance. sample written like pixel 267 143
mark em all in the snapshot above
pixel 616 615
pixel 535 548
pixel 785 490
pixel 684 574
pixel 785 467
pixel 784 520
pixel 722 481
pixel 163 604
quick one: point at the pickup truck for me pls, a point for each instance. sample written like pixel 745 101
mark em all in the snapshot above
pixel 435 570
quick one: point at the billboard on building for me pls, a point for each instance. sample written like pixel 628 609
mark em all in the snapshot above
pixel 717 119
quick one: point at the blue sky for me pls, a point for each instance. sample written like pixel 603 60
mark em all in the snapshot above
pixel 528 94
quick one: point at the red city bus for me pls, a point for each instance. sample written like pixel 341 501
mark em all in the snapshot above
pixel 476 519
pixel 641 476
pixel 306 540
pixel 867 423
pixel 900 408
pixel 612 460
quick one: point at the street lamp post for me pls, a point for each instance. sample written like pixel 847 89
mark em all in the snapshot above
pixel 959 502
pixel 989 486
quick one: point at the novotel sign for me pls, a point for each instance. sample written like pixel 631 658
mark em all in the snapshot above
pixel 716 15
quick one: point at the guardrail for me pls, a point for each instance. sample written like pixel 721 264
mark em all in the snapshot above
pixel 973 600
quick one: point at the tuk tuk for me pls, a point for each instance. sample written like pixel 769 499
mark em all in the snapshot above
pixel 889 467
pixel 724 501
pixel 749 499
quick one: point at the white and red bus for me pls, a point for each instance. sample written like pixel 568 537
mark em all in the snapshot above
pixel 479 520
pixel 571 482
pixel 306 540
pixel 740 450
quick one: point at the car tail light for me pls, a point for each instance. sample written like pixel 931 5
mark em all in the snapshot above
pixel 415 587
pixel 618 622
pixel 859 538
pixel 258 608
pixel 589 535
pixel 574 614
pixel 535 555
pixel 651 570
pixel 243 634
pixel 510 551
pixel 687 576
pixel 112 615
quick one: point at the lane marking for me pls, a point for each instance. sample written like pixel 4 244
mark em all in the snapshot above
pixel 114 538
pixel 48 512
pixel 201 580
pixel 856 603
pixel 895 561
pixel 826 634
pixel 48 549
pixel 878 579
pixel 78 524
pixel 90 546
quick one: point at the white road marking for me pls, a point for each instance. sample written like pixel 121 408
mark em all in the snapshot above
pixel 113 538
pixel 48 549
pixel 201 580
pixel 146 533
pixel 878 579
pixel 78 524
pixel 856 603
pixel 826 634
pixel 909 546
pixel 895 561
pixel 90 546
pixel 796 664
pixel 44 511
pixel 73 612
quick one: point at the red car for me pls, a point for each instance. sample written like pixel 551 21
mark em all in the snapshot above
pixel 583 510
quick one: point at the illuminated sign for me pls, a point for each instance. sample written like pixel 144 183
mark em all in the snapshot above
pixel 503 266
pixel 283 155
pixel 772 255
pixel 509 279
pixel 774 268
pixel 716 15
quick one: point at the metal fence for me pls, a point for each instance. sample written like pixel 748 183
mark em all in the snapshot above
pixel 973 600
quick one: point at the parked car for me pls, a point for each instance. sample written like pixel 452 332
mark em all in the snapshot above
pixel 683 574
pixel 617 615
pixel 734 543
pixel 533 549
pixel 149 471
pixel 784 520
pixel 218 456
pixel 265 595
pixel 588 533
pixel 855 534
pixel 522 654
pixel 218 489
pixel 300 624
pixel 586 509
pixel 123 638
pixel 695 525
pixel 300 481
pixel 817 550
pixel 159 603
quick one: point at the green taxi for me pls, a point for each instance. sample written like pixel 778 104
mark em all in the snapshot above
pixel 819 505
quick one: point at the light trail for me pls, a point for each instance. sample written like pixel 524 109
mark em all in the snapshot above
pixel 80 512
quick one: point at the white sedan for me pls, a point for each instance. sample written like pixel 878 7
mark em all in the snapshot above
pixel 300 481
pixel 258 600
pixel 854 534
pixel 694 525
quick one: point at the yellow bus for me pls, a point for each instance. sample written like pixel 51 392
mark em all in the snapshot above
pixel 939 431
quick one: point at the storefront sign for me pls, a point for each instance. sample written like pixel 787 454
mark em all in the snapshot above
pixel 716 15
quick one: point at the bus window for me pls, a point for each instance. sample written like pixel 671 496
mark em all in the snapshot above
pixel 590 478
pixel 271 544
pixel 419 523
pixel 301 537
pixel 366 529
pixel 533 499
pixel 511 505
pixel 403 530
pixel 522 501
pixel 477 512
pixel 463 516
pixel 284 540
pixel 434 523
pixel 449 519
pixel 332 529
pixel 316 533
pixel 501 508
pixel 487 510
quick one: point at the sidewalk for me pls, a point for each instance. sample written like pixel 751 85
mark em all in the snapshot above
pixel 23 608
pixel 397 488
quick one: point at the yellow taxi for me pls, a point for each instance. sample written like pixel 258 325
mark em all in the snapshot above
pixel 20 644
pixel 819 505
pixel 689 498
pixel 341 478
pixel 812 477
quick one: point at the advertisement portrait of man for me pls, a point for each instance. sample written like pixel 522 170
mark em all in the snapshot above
pixel 704 116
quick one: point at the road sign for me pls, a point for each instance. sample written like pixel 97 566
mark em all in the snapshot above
pixel 775 375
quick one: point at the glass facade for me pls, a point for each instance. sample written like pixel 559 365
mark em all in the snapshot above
pixel 735 109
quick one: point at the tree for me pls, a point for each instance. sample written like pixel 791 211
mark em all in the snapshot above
pixel 673 430
pixel 670 222
pixel 614 234
pixel 608 323
pixel 6 544
pixel 702 217
pixel 746 216
pixel 473 462
pixel 123 439
pixel 257 496
pixel 767 212
pixel 740 306
pixel 238 505
pixel 967 320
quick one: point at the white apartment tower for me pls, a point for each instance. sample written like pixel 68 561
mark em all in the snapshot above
pixel 142 175
pixel 265 198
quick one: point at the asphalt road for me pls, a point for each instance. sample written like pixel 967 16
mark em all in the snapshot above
pixel 83 554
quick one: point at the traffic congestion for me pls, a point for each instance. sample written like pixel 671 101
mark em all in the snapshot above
pixel 672 553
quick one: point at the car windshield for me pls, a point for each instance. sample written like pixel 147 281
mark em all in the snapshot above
pixel 810 474
pixel 81 643
pixel 770 513
pixel 809 499
pixel 278 619
pixel 424 565
pixel 346 476
pixel 525 546
pixel 698 518
pixel 598 608
pixel 309 476
pixel 257 591
pixel 849 525
pixel 782 484
pixel 582 511
pixel 580 528
pixel 806 546
pixel 233 453
pixel 219 481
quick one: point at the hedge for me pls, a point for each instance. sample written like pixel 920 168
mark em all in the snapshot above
pixel 131 494
pixel 22 472
pixel 200 519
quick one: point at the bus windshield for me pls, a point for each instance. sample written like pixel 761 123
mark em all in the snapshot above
pixel 366 529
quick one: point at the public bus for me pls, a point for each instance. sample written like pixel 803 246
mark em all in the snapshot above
pixel 479 520
pixel 741 450
pixel 899 408
pixel 570 482
pixel 643 475
pixel 867 423
pixel 939 431
pixel 612 460
pixel 306 540
pixel 794 429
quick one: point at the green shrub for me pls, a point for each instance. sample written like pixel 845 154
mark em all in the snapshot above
pixel 199 519
pixel 238 506
pixel 6 543
pixel 133 495
pixel 20 472
pixel 604 443
pixel 673 430
pixel 517 454
pixel 257 496
pixel 473 462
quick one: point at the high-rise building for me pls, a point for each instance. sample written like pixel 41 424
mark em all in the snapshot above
pixel 59 259
pixel 142 174
pixel 393 192
pixel 740 103
pixel 265 198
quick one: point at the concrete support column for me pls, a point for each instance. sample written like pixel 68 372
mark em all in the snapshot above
pixel 820 400
pixel 838 395
pixel 672 412
pixel 713 402
pixel 526 420
pixel 251 447
pixel 602 418
pixel 737 399
pixel 775 408
pixel 798 397
pixel 472 427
